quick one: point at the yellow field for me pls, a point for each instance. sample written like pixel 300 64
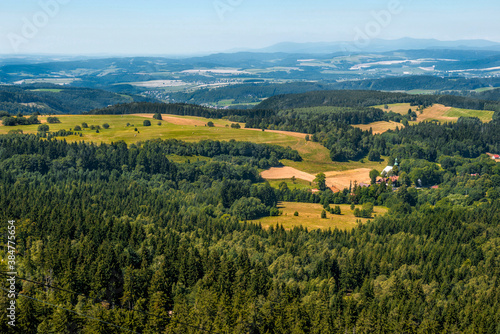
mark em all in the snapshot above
pixel 344 179
pixel 398 108
pixel 379 127
pixel 310 217
pixel 436 112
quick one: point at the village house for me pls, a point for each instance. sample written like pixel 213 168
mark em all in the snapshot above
pixel 494 156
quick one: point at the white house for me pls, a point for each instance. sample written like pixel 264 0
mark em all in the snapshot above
pixel 387 170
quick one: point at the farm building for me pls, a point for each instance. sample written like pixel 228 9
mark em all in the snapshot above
pixel 393 179
pixel 387 170
pixel 494 156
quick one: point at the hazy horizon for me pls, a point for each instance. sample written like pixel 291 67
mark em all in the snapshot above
pixel 67 27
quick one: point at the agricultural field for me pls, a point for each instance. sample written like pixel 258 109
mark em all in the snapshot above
pixel 281 173
pixel 437 112
pixel 297 184
pixel 345 179
pixel 398 108
pixel 310 217
pixel 379 127
pixel 337 180
pixel 315 156
pixel 483 115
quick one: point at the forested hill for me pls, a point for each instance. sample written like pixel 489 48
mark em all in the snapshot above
pixel 53 99
pixel 117 235
pixel 360 98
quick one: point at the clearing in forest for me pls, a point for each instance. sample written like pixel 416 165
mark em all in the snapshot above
pixel 337 180
pixel 310 217
pixel 379 127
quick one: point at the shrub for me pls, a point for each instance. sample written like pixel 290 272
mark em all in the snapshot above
pixel 147 122
pixel 157 116
pixel 296 213
pixel 274 212
pixel 43 128
pixel 9 121
pixel 374 155
pixel 77 128
pixel 105 125
pixel 357 212
pixel 53 120
pixel 210 124
pixel 323 214
pixel 84 125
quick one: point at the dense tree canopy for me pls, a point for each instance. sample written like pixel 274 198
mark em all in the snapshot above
pixel 157 246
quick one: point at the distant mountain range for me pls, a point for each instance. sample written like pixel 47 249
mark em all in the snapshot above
pixel 379 45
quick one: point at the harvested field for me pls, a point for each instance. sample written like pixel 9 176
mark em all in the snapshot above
pixel 379 127
pixel 287 133
pixel 341 180
pixel 279 173
pixel 335 179
pixel 177 120
pixel 398 108
pixel 436 112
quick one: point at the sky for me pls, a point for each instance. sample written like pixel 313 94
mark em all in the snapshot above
pixel 154 27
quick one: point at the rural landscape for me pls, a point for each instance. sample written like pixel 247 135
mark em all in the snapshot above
pixel 301 187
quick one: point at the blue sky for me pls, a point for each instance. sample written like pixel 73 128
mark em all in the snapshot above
pixel 201 26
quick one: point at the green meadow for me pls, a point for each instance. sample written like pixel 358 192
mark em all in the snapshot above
pixel 483 115
pixel 316 158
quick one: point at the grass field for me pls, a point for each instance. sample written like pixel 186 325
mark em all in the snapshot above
pixel 485 89
pixel 47 90
pixel 184 159
pixel 298 184
pixel 421 91
pixel 316 158
pixel 310 217
pixel 483 115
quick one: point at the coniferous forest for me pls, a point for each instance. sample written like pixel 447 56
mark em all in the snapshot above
pixel 121 234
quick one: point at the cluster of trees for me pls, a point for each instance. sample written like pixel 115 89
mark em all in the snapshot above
pixel 307 117
pixel 53 120
pixel 154 246
pixel 8 120
pixel 232 148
